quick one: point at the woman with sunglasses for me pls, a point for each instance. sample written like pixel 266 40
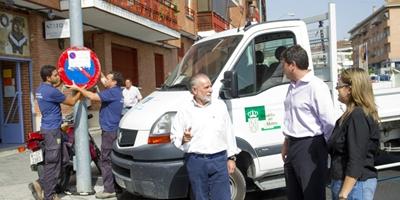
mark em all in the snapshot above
pixel 355 139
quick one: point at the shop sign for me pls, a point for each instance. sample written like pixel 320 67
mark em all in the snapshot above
pixel 55 29
pixel 14 35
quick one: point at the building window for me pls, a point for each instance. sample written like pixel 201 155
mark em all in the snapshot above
pixel 204 5
pixel 386 15
pixel 397 65
pixel 189 12
pixel 387 31
pixel 387 48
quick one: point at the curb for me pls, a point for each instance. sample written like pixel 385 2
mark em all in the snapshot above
pixel 8 152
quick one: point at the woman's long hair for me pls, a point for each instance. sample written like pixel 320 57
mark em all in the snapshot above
pixel 361 93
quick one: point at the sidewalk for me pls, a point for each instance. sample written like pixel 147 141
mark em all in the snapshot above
pixel 15 175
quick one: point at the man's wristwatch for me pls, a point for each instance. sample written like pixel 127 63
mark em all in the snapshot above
pixel 232 158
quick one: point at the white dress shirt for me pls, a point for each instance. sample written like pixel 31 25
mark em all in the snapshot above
pixel 211 129
pixel 309 108
pixel 131 96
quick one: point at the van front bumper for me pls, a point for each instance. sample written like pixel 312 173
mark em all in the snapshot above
pixel 147 175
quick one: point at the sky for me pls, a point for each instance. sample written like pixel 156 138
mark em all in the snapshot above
pixel 348 12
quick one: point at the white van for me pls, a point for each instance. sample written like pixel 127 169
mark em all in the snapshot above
pixel 247 76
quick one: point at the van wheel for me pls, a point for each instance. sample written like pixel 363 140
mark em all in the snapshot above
pixel 237 185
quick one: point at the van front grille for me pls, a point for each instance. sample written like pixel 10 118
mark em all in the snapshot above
pixel 126 137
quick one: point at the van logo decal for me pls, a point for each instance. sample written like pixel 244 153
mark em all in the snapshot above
pixel 253 116
pixel 259 120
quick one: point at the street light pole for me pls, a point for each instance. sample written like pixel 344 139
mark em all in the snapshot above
pixel 82 155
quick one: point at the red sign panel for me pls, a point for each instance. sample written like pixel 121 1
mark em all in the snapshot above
pixel 79 65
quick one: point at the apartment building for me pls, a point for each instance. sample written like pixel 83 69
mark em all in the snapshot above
pixel 143 39
pixel 344 54
pixel 376 40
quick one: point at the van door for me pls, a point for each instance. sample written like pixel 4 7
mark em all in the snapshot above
pixel 257 113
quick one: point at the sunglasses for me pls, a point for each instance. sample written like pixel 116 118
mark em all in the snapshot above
pixel 338 86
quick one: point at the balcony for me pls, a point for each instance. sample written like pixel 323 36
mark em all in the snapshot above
pixel 210 20
pixel 160 11
pixel 151 21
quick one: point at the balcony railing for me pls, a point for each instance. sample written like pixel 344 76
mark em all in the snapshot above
pixel 161 11
pixel 190 13
pixel 210 20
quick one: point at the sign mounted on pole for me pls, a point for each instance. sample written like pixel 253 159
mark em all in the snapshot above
pixel 79 65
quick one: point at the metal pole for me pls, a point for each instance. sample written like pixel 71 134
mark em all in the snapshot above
pixel 76 27
pixel 82 156
pixel 333 49
pixel 260 10
pixel 265 10
pixel 333 56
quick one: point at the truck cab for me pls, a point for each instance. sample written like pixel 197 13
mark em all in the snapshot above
pixel 248 77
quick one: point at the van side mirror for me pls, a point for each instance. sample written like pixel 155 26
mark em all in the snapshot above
pixel 229 87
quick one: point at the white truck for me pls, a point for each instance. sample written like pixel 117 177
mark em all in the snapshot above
pixel 248 78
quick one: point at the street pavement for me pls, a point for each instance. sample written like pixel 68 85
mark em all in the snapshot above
pixel 15 175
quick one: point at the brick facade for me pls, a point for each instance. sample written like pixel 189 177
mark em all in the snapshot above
pixel 44 52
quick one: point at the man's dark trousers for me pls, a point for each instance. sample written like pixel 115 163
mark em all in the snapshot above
pixel 208 176
pixel 306 168
pixel 52 160
pixel 107 139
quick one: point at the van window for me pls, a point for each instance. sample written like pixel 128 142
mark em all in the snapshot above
pixel 208 57
pixel 259 66
pixel 245 71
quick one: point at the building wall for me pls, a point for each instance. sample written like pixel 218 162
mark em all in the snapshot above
pixel 43 52
pixel 186 44
pixel 48 3
pixel 102 46
pixel 375 39
pixel 379 36
pixel 26 99
pixel 392 1
pixel 48 51
pixel 237 15
pixel 185 21
pixel 394 38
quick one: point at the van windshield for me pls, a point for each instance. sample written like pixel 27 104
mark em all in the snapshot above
pixel 206 57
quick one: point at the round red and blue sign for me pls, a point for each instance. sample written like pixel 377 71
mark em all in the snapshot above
pixel 79 65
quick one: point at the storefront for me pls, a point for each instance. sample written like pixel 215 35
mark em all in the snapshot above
pixel 24 49
pixel 15 76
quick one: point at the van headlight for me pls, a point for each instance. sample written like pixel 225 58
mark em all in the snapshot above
pixel 161 129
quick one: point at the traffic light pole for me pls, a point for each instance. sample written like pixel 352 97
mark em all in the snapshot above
pixel 82 155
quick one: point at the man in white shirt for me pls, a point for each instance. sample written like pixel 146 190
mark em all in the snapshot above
pixel 131 95
pixel 203 130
